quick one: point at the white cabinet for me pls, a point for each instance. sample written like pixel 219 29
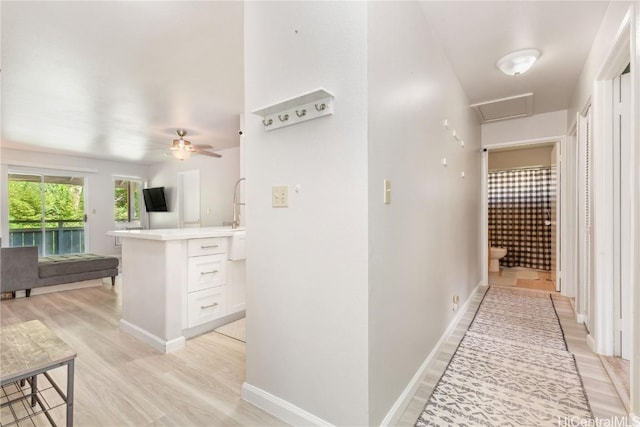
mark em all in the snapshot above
pixel 208 246
pixel 206 305
pixel 179 283
pixel 212 293
pixel 206 271
pixel 206 280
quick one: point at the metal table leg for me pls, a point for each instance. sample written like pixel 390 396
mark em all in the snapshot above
pixel 70 378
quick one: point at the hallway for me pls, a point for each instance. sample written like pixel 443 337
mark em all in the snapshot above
pixel 603 399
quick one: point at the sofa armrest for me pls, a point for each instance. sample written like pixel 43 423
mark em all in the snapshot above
pixel 18 268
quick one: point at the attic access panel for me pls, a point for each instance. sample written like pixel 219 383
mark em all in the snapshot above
pixel 505 108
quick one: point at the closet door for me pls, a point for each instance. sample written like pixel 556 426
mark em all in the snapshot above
pixel 189 198
pixel 622 232
pixel 584 210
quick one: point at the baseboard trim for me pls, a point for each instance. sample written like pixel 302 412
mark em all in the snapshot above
pixel 579 318
pixel 214 324
pixel 280 408
pixel 407 394
pixel 591 343
pixel 159 344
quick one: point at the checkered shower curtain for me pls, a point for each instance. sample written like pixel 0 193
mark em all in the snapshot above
pixel 519 204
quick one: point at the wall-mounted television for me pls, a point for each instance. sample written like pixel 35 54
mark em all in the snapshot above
pixel 154 200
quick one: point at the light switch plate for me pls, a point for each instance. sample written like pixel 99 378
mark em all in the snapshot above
pixel 280 196
pixel 387 192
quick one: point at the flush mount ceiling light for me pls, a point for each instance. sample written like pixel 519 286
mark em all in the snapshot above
pixel 518 62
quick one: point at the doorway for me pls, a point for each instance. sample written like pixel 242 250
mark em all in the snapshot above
pixel 521 213
pixel 47 211
pixel 189 199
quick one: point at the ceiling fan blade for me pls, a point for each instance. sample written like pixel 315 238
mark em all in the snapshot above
pixel 208 153
pixel 202 146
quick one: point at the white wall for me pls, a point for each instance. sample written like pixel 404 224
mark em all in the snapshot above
pixel 602 44
pixel 217 179
pixel 525 128
pixel 307 293
pixel 348 296
pixel 423 247
pixel 99 189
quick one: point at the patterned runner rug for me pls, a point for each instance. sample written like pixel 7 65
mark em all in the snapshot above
pixel 511 368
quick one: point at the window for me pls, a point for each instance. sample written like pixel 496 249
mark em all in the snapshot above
pixel 46 211
pixel 127 200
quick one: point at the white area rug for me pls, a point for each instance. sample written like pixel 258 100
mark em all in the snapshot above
pixel 511 368
pixel 236 330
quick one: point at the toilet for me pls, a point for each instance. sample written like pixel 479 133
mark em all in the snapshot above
pixel 495 255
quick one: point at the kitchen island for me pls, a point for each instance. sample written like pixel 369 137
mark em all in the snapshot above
pixel 179 283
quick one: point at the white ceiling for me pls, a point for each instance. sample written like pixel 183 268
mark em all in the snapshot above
pixel 115 80
pixel 475 34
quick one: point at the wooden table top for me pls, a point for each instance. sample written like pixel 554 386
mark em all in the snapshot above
pixel 29 347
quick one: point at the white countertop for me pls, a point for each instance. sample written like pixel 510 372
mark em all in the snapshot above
pixel 177 233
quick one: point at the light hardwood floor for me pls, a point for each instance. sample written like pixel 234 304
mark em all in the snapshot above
pixel 601 393
pixel 121 381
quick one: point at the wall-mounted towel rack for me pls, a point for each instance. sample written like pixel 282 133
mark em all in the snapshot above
pixel 308 106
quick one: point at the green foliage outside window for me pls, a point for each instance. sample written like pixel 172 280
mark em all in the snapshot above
pixel 126 204
pixel 62 202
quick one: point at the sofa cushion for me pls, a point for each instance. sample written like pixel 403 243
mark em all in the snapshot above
pixel 59 265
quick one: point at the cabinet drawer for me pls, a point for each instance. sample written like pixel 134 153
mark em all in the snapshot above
pixel 208 246
pixel 206 272
pixel 204 306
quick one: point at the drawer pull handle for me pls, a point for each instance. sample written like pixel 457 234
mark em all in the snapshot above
pixel 209 246
pixel 203 307
pixel 202 273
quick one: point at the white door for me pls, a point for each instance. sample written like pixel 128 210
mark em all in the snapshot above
pixel 189 199
pixel 553 219
pixel 622 214
pixel 584 206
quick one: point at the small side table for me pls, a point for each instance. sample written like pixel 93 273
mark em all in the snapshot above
pixel 29 349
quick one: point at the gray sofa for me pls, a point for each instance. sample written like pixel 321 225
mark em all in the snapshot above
pixel 21 269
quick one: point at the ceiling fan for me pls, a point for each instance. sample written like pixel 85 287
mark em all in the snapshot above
pixel 182 149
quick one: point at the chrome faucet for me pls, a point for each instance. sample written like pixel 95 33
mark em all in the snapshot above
pixel 236 213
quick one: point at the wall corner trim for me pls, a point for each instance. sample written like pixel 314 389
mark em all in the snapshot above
pixel 280 408
pixel 407 394
pixel 158 343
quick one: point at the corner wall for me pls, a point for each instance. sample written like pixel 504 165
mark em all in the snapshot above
pixel 307 288
pixel 423 246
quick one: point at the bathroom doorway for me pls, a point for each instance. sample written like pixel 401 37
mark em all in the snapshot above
pixel 522 212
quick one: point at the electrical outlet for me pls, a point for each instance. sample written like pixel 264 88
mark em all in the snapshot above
pixel 280 196
pixel 456 298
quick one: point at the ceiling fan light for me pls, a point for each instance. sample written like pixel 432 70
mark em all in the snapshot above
pixel 182 154
pixel 519 62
